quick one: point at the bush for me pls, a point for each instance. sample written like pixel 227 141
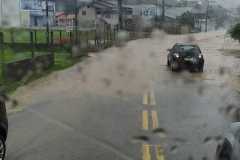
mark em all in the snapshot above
pixel 235 32
pixel 187 19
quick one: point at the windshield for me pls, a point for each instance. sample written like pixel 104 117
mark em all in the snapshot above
pixel 118 79
pixel 189 50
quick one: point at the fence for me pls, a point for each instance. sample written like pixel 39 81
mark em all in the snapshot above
pixel 24 50
pixel 27 51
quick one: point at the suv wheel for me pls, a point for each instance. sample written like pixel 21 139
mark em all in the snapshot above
pixel 2 149
pixel 200 69
pixel 174 66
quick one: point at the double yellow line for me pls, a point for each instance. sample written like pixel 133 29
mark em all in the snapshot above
pixel 145 119
pixel 146 152
pixel 149 100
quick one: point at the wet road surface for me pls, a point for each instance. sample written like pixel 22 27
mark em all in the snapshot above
pixel 124 104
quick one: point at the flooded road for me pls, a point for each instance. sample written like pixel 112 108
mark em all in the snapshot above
pixel 124 103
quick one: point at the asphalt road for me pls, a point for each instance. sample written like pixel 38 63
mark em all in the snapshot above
pixel 124 104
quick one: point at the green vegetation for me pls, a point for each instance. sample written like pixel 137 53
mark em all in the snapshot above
pixel 14 50
pixel 10 55
pixel 23 35
pixel 62 61
pixel 235 32
pixel 187 18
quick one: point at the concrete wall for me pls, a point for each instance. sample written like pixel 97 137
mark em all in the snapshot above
pixel 17 70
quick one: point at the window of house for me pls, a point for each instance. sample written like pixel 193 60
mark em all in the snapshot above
pixel 84 13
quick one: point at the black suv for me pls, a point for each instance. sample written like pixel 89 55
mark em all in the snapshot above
pixel 184 55
pixel 3 127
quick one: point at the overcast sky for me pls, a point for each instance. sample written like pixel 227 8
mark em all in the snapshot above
pixel 230 3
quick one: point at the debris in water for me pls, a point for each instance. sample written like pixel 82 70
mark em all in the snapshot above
pixel 161 132
pixel 207 139
pixel 173 149
pixel 119 92
pixel 107 82
pixel 141 138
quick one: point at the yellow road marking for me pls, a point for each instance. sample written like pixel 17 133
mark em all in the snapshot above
pixel 152 98
pixel 146 155
pixel 149 98
pixel 145 98
pixel 159 152
pixel 145 120
pixel 154 120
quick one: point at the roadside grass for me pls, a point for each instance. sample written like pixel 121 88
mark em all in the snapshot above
pixel 63 60
pixel 11 56
pixel 62 52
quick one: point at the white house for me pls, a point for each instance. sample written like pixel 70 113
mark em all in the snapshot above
pixel 87 17
pixel 107 12
pixel 9 13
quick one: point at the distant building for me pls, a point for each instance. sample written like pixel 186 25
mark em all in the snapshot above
pixel 86 18
pixel 143 12
pixel 175 12
pixel 64 20
pixel 107 12
pixel 199 14
pixel 145 15
pixel 36 10
pixel 9 13
pixel 60 19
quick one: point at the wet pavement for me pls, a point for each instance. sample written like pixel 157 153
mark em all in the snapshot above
pixel 125 104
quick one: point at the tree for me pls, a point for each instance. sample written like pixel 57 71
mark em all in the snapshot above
pixel 187 19
pixel 235 32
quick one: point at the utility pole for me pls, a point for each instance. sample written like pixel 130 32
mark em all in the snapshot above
pixel 76 21
pixel 47 25
pixel 206 18
pixel 156 13
pixel 209 2
pixel 1 12
pixel 163 10
pixel 120 14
